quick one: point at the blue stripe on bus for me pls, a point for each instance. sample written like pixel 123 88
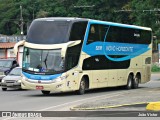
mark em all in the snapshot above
pixel 111 48
pixel 41 77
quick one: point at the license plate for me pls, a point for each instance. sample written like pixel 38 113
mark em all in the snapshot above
pixel 39 87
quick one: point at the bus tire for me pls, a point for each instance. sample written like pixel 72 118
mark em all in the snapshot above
pixel 135 82
pixel 45 92
pixel 82 87
pixel 129 82
pixel 4 89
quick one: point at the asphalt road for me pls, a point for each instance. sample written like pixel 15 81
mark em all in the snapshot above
pixel 30 100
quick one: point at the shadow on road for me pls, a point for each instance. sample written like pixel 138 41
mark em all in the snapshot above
pixel 74 93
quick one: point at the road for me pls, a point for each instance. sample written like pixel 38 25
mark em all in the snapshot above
pixel 30 100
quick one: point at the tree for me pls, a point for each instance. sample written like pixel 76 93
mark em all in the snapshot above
pixel 145 13
pixel 122 11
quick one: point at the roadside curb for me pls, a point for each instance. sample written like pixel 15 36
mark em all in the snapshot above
pixel 105 107
pixel 153 106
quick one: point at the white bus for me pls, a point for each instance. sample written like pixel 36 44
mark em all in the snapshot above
pixel 75 54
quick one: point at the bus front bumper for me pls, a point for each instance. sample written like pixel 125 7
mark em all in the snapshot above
pixel 54 87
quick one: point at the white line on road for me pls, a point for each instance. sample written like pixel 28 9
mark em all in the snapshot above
pixel 77 102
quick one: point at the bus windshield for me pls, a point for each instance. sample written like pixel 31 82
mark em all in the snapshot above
pixel 48 32
pixel 42 61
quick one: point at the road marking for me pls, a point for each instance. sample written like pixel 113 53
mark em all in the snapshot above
pixel 105 107
pixel 86 99
pixel 82 100
pixel 70 104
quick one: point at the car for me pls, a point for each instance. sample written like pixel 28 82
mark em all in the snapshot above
pixel 6 65
pixel 12 80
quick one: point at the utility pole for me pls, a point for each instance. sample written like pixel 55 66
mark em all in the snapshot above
pixel 21 20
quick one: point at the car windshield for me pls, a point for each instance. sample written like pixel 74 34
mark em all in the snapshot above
pixel 16 72
pixel 42 61
pixel 5 63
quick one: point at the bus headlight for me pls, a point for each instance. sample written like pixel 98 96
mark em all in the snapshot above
pixel 60 78
pixel 19 81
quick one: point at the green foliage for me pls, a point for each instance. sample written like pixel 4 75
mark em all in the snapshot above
pixel 145 13
pixel 107 10
pixel 155 68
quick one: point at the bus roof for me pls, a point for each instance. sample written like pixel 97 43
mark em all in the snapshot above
pixel 91 21
pixel 61 19
pixel 119 25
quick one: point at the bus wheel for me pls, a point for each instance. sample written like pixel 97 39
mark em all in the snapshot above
pixel 82 87
pixel 45 92
pixel 4 89
pixel 135 82
pixel 129 82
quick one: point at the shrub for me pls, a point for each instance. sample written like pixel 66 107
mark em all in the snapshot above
pixel 155 68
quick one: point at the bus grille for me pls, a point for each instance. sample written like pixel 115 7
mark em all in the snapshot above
pixel 10 81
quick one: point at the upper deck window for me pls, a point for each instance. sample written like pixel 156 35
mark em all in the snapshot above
pixel 128 35
pixel 48 32
pixel 78 31
pixel 97 33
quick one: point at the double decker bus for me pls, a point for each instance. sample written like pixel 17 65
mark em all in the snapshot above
pixel 76 54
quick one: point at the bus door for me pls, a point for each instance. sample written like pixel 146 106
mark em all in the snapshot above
pixel 72 79
pixel 72 60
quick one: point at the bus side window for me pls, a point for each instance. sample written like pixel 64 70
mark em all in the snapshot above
pixel 78 31
pixel 92 34
pixel 72 56
pixel 97 33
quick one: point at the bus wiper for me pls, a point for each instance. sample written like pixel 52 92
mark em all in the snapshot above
pixel 45 60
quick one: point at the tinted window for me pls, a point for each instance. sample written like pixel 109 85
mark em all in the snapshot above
pixel 72 56
pixel 48 32
pixel 146 37
pixel 97 33
pixel 78 31
pixel 128 35
pixel 101 62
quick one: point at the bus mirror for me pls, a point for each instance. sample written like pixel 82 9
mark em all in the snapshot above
pixel 64 48
pixel 15 49
pixel 69 44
